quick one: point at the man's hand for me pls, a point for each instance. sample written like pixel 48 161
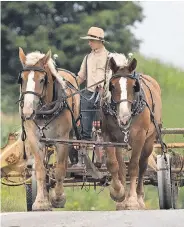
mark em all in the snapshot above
pixel 100 89
pixel 79 80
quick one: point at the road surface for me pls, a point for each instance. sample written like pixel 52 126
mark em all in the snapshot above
pixel 152 218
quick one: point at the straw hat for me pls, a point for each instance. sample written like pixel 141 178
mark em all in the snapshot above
pixel 95 33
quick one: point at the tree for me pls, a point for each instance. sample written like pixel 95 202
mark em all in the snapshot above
pixel 58 26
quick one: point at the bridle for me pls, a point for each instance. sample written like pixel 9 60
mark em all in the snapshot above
pixel 33 68
pixel 39 95
pixel 137 105
pixel 133 76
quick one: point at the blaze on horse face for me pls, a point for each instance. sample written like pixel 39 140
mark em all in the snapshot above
pixel 32 81
pixel 122 89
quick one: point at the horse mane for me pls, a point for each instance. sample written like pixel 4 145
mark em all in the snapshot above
pixel 34 57
pixel 120 59
pixel 121 62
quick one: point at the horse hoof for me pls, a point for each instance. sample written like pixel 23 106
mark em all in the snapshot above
pixel 117 196
pixel 132 204
pixel 141 203
pixel 120 206
pixel 41 206
pixel 59 203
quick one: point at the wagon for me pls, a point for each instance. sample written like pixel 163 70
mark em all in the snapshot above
pixel 166 171
pixel 167 174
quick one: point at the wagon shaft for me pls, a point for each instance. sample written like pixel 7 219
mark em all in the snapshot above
pixel 172 131
pixel 78 142
pixel 171 145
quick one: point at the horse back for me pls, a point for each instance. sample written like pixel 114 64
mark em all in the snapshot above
pixel 153 96
pixel 74 99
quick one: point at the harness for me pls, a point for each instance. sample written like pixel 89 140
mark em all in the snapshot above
pixel 138 105
pixel 47 112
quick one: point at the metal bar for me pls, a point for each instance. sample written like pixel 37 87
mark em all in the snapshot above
pixel 96 143
pixel 172 131
pixel 78 142
pixel 171 145
pixel 95 110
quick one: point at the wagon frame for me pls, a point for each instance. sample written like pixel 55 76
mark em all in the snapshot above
pixel 164 176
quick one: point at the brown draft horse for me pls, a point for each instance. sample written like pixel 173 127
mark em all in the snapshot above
pixel 127 118
pixel 38 105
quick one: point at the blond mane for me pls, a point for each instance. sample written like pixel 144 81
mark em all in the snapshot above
pixel 34 57
pixel 120 59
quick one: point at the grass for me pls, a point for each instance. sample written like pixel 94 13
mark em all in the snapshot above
pixel 14 199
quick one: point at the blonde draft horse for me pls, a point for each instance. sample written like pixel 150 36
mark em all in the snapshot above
pixel 128 113
pixel 37 88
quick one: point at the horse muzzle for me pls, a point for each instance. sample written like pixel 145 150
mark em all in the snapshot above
pixel 28 113
pixel 125 120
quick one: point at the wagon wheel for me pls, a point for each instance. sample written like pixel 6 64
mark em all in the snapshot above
pixel 31 190
pixel 167 189
pixel 175 194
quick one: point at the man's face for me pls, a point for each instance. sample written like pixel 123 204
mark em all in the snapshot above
pixel 95 44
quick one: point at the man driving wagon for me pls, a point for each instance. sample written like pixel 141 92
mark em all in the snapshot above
pixel 92 71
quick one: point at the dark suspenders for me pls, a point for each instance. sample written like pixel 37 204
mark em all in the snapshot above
pixel 86 70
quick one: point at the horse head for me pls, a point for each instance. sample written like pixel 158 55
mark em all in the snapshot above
pixel 36 80
pixel 123 86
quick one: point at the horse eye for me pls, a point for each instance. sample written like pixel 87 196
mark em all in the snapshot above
pixel 111 87
pixel 42 80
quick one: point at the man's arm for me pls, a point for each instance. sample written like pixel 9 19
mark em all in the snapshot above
pixel 82 73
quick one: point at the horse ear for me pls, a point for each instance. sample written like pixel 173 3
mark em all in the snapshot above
pixel 113 65
pixel 132 65
pixel 22 56
pixel 45 59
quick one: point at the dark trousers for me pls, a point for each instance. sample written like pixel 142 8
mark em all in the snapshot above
pixel 88 115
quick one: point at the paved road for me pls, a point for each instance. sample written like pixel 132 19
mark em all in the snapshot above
pixel 153 218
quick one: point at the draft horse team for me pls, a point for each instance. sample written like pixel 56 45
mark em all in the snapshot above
pixel 130 111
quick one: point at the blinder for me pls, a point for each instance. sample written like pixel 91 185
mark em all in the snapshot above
pixel 111 86
pixel 32 68
pixel 134 76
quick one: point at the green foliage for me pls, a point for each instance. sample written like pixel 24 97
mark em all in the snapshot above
pixel 58 26
pixel 169 78
pixel 9 123
pixel 171 81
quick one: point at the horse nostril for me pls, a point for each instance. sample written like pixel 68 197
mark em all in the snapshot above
pixel 124 120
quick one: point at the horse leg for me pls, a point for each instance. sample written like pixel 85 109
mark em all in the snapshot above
pixel 42 199
pixel 117 191
pixel 146 152
pixel 133 169
pixel 122 175
pixel 58 198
